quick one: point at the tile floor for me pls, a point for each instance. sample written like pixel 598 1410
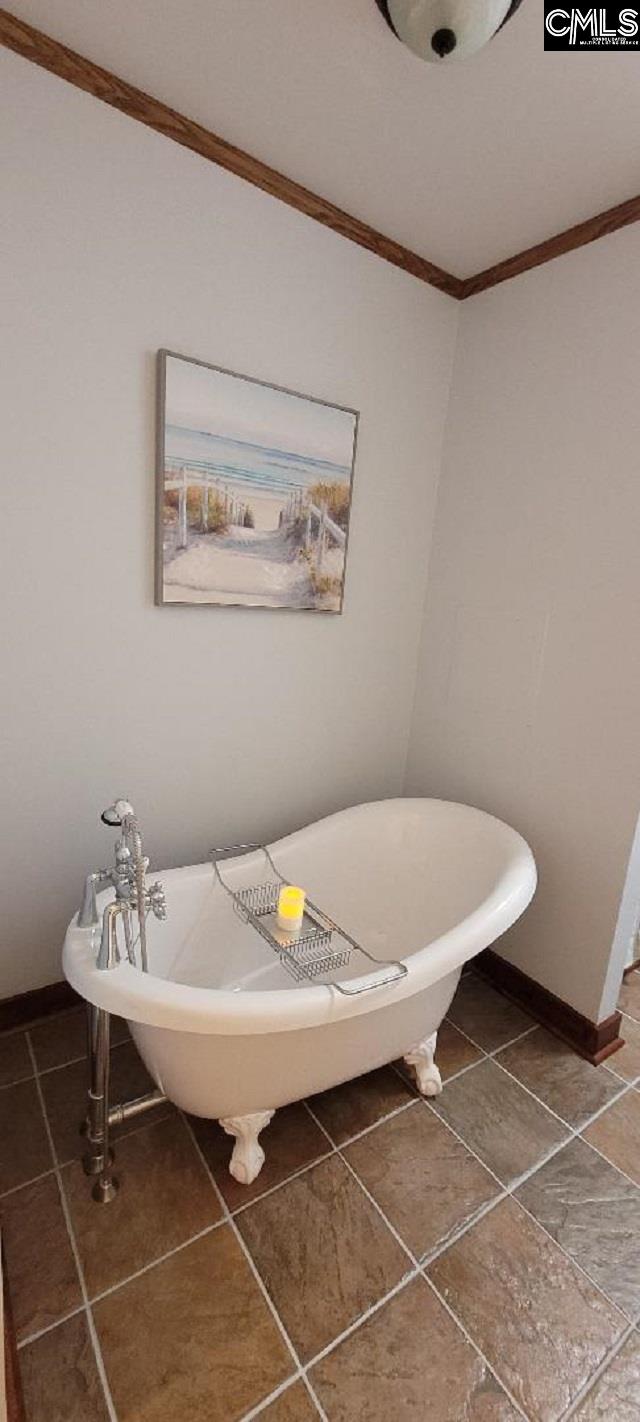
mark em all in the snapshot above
pixel 476 1256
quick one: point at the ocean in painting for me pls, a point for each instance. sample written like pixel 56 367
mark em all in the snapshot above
pixel 249 464
pixel 257 492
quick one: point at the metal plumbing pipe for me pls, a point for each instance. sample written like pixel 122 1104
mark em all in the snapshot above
pixel 137 1107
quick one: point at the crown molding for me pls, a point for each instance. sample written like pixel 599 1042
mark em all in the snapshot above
pixel 50 54
pixel 32 44
pixel 584 232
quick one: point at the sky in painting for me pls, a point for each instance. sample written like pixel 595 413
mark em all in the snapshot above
pixel 227 405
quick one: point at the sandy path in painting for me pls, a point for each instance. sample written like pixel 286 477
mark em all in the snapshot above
pixel 247 565
pixel 265 505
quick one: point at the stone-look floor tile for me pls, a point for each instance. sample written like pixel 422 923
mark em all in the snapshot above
pixel 626 1062
pixel 323 1252
pixel 63 1038
pixel 485 1015
pixel 15 1060
pixel 425 1181
pixel 191 1339
pixel 594 1213
pixel 629 999
pixel 294 1405
pixel 617 1134
pixel 538 1321
pixel 40 1266
pixel 563 1081
pixel 616 1395
pixel 291 1141
pixel 24 1147
pixel 499 1121
pixel 410 1361
pixel 60 1378
pixel 65 1095
pixel 345 1110
pixel 453 1053
pixel 165 1198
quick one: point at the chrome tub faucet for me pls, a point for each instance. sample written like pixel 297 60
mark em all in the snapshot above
pixel 128 878
pixel 133 896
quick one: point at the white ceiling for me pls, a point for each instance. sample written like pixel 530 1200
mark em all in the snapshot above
pixel 465 164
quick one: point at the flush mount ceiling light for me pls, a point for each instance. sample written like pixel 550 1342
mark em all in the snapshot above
pixel 446 29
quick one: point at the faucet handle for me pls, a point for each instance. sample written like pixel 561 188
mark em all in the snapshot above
pixel 158 901
pixel 88 912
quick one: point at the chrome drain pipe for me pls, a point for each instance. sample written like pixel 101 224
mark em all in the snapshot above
pixel 126 1110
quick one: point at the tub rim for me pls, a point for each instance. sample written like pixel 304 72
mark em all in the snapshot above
pixel 162 1003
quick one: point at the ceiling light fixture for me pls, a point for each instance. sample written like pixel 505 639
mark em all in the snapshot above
pixel 446 29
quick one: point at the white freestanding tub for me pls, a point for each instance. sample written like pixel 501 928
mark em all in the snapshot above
pixel 224 1030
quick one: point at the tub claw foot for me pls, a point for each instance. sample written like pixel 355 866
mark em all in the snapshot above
pixel 247 1158
pixel 421 1058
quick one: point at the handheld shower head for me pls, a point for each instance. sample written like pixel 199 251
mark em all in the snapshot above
pixel 116 813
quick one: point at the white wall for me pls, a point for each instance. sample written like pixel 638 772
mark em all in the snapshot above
pixel 528 694
pixel 216 723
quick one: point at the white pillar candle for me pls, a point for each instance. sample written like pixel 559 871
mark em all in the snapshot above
pixel 290 908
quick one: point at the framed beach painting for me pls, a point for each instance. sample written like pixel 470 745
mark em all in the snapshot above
pixel 254 491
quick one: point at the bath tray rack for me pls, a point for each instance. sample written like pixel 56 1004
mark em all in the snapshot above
pixel 311 953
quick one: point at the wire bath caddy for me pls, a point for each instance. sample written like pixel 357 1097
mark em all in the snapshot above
pixel 312 952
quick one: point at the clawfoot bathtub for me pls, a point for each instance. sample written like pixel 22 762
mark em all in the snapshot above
pixel 223 1029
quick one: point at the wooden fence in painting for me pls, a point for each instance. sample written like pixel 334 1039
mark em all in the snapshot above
pixel 318 529
pixel 184 477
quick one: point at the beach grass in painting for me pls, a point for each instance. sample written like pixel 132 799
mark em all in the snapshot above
pixel 254 491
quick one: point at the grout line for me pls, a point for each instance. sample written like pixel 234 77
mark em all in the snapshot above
pixel 34 1022
pixel 631 1081
pixel 73 1061
pixel 273 1189
pixel 515 1185
pixel 562 1119
pixel 229 1219
pixel 273 1396
pixel 33 1181
pixel 599 1372
pixel 118 1136
pixel 462 1071
pixel 146 1268
pixel 608 1065
pixel 428 1107
pixel 335 1149
pixel 370 1312
pixel 477 1349
pixel 417 1269
pixel 314 1397
pixel 40 1332
pixel 610 1163
pixel 102 1373
pixel 19 1081
pixel 367 1192
pixel 464 1034
pixel 512 1040
pixel 366 1131
pixel 438 1249
pixel 625 1086
pixel 403 1283
pixel 453 1077
pixel 424 1102
pixel 59 1066
pixel 535 1027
